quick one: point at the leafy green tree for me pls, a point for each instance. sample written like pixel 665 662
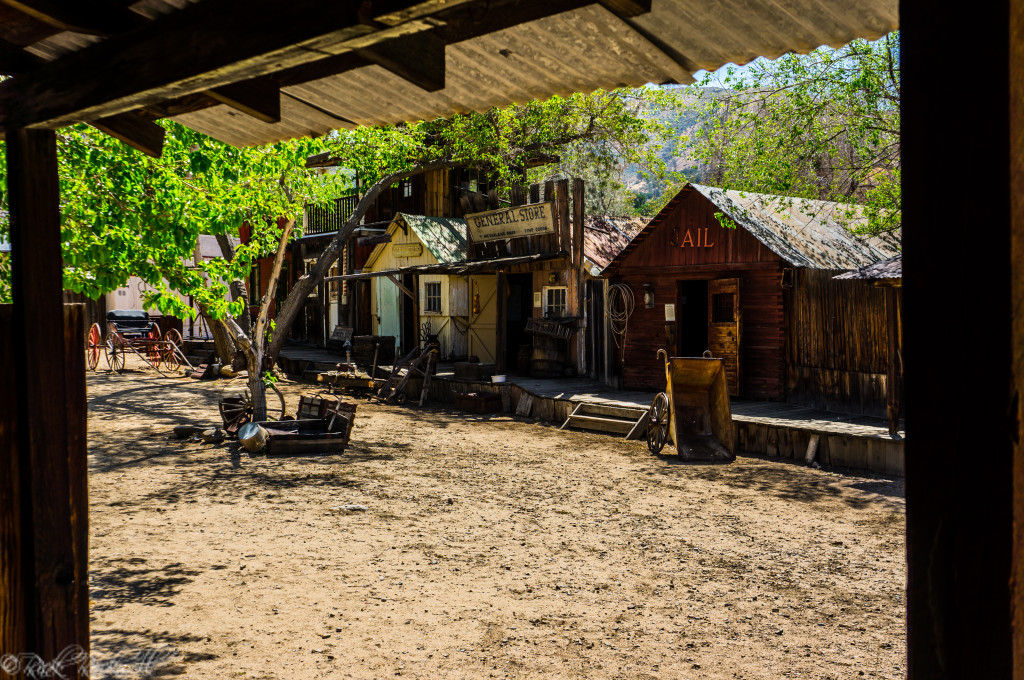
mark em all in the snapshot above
pixel 124 213
pixel 823 126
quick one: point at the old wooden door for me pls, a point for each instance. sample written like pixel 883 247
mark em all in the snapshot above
pixel 724 324
pixel 483 317
pixel 388 320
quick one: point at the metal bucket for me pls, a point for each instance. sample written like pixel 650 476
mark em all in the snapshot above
pixel 253 437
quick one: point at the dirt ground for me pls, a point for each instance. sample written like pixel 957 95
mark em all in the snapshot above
pixel 491 547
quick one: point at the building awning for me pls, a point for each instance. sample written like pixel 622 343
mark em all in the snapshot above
pixel 455 268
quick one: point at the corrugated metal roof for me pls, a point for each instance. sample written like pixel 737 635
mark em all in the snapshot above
pixel 605 237
pixel 444 237
pixel 880 271
pixel 575 51
pixel 803 232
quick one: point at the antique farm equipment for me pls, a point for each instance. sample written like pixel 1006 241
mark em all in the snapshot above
pixel 693 411
pixel 237 410
pixel 417 362
pixel 131 330
pixel 329 434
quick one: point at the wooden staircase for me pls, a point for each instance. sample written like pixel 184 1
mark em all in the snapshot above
pixel 622 420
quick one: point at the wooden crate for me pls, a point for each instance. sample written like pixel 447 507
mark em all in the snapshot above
pixel 315 406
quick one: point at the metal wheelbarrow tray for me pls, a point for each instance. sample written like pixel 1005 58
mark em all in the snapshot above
pixel 693 411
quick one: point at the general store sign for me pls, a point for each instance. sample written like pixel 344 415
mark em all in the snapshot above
pixel 522 220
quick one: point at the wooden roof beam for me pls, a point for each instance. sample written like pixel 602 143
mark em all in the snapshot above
pixel 96 17
pixel 135 130
pixel 417 58
pixel 199 48
pixel 15 60
pixel 258 97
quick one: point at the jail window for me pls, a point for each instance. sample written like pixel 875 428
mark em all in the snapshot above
pixel 722 308
pixel 407 189
pixel 554 302
pixel 432 295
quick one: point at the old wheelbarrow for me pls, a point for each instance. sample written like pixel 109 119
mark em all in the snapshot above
pixel 693 411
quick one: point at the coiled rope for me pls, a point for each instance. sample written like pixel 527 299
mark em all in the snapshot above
pixel 620 308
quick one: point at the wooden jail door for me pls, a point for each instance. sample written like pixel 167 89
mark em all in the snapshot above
pixel 724 328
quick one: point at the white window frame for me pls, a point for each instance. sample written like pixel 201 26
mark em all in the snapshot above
pixel 426 298
pixel 547 307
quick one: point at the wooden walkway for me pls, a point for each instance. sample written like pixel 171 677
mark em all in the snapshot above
pixel 762 427
pixel 774 413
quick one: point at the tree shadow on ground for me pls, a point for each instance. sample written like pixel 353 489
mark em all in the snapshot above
pixel 784 479
pixel 120 581
pixel 121 653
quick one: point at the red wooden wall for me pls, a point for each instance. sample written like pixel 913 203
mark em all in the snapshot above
pixel 689 243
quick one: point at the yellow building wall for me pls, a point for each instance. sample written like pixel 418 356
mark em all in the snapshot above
pixel 454 300
pixel 483 317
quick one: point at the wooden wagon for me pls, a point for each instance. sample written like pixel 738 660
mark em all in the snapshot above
pixel 693 411
pixel 131 330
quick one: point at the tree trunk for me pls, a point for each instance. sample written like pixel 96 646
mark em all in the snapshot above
pixel 288 312
pixel 222 340
pixel 238 287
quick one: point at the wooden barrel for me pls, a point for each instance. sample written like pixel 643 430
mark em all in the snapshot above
pixel 548 359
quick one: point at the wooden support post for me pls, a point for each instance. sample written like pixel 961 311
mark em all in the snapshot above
pixel 965 516
pixel 501 300
pixel 44 597
pixel 893 374
pixel 578 215
pixel 550 241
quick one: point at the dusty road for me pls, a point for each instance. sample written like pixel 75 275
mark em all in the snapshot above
pixel 491 548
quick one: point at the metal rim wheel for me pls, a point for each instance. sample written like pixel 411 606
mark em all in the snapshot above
pixel 153 352
pixel 400 398
pixel 173 336
pixel 173 351
pixel 657 423
pixel 171 358
pixel 115 352
pixel 275 407
pixel 93 345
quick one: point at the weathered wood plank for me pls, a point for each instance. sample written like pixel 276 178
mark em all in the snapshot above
pixel 49 384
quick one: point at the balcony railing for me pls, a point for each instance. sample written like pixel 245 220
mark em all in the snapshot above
pixel 323 220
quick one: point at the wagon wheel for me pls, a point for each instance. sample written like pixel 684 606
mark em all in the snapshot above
pixel 173 336
pixel 231 411
pixel 400 399
pixel 170 356
pixel 93 345
pixel 115 352
pixel 275 407
pixel 172 352
pixel 152 349
pixel 657 423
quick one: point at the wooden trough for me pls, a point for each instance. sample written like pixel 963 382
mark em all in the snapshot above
pixel 329 434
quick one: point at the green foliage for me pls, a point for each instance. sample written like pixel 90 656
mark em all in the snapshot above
pixel 124 213
pixel 592 136
pixel 823 126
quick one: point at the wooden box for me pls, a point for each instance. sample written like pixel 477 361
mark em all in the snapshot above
pixel 315 406
pixel 313 435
